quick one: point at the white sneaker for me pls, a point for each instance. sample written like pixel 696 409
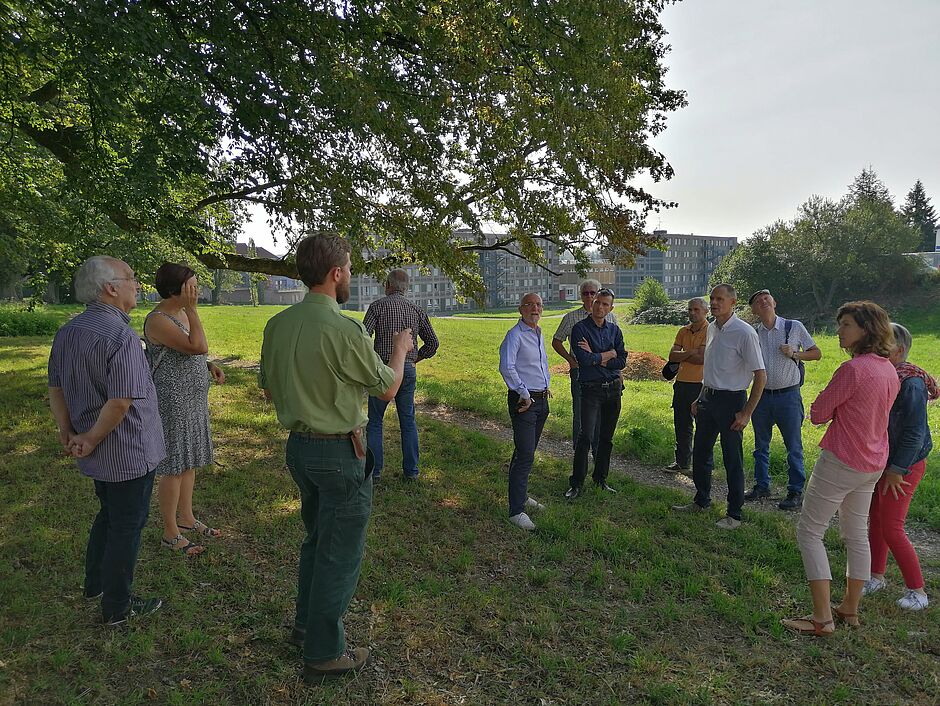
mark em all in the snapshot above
pixel 533 504
pixel 522 520
pixel 728 523
pixel 912 600
pixel 873 586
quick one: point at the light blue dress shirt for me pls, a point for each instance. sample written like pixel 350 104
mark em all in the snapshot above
pixel 523 362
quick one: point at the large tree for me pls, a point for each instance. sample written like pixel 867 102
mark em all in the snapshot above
pixel 389 122
pixel 920 213
pixel 830 252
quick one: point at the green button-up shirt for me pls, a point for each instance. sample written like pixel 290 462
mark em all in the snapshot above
pixel 317 363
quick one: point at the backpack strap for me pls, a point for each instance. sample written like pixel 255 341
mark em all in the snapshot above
pixel 787 325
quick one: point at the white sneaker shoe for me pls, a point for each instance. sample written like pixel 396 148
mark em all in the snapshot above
pixel 533 504
pixel 873 586
pixel 912 600
pixel 522 520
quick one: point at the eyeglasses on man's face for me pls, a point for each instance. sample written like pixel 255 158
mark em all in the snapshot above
pixel 588 293
pixel 127 279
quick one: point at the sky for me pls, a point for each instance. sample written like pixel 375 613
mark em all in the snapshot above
pixel 787 100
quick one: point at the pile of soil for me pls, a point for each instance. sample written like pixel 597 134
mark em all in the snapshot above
pixel 640 366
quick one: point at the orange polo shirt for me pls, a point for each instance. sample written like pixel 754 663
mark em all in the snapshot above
pixel 688 340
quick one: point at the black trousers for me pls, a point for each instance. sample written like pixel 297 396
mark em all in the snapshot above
pixel 600 406
pixel 713 419
pixel 683 395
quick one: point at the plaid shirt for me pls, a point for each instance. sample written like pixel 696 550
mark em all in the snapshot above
pixel 393 313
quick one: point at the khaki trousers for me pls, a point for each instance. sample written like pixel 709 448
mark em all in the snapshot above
pixel 834 486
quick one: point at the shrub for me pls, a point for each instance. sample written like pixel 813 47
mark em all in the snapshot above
pixel 20 322
pixel 648 295
pixel 674 313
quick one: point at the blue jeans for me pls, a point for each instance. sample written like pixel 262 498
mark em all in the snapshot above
pixel 786 411
pixel 114 540
pixel 576 413
pixel 335 504
pixel 405 404
pixel 526 431
pixel 713 419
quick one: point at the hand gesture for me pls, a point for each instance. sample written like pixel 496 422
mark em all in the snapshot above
pixel 217 374
pixel 81 446
pixel 65 438
pixel 894 482
pixel 740 421
pixel 403 341
pixel 189 294
pixel 584 345
pixel 524 405
pixel 787 350
pixel 694 408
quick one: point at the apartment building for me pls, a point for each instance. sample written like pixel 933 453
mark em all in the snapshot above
pixel 683 269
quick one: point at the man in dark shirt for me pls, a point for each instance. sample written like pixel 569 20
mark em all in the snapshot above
pixel 105 406
pixel 598 346
pixel 385 318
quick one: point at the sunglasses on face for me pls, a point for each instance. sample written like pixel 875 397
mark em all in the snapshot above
pixel 588 293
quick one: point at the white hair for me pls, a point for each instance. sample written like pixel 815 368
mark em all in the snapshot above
pixel 397 281
pixel 589 283
pixel 903 339
pixel 92 276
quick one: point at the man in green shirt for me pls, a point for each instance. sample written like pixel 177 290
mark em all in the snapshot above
pixel 317 365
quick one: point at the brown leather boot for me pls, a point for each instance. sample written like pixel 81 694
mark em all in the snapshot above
pixel 349 661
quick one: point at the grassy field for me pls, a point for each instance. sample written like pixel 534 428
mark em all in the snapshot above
pixel 615 600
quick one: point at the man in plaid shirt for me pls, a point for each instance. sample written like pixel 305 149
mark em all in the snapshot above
pixel 386 317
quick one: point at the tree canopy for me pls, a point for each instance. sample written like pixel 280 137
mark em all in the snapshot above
pixel 832 251
pixel 145 128
pixel 920 213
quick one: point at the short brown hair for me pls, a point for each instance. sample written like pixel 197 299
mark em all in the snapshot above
pixel 170 278
pixel 879 337
pixel 317 255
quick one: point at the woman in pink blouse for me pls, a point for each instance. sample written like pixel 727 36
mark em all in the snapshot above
pixel 857 401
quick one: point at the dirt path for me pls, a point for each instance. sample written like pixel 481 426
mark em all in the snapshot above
pixel 925 540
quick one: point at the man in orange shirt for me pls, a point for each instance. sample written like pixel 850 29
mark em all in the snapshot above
pixel 689 352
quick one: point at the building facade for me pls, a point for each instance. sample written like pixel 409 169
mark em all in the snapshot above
pixel 683 269
pixel 601 270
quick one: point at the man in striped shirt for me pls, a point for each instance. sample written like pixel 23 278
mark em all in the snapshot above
pixel 105 406
pixel 385 318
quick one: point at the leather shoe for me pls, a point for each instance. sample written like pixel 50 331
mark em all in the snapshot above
pixel 756 493
pixel 573 492
pixel 603 486
pixel 691 507
pixel 793 501
pixel 675 468
pixel 349 661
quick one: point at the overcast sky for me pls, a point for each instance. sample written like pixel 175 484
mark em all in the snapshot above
pixel 790 99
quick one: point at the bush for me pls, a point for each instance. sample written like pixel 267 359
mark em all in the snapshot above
pixel 20 322
pixel 674 313
pixel 650 294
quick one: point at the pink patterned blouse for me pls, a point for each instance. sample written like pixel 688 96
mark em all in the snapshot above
pixel 858 400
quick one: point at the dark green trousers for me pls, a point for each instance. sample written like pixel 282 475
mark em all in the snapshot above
pixel 336 499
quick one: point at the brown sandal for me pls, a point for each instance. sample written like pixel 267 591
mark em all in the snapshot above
pixel 817 629
pixel 850 619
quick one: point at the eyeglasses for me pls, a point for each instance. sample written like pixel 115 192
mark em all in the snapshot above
pixel 126 279
pixel 588 292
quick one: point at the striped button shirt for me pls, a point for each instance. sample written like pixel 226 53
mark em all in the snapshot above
pixel 393 313
pixel 96 357
pixel 858 400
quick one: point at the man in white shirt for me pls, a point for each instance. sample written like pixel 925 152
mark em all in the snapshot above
pixel 732 362
pixel 784 345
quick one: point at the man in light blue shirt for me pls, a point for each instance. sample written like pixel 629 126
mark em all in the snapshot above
pixel 523 363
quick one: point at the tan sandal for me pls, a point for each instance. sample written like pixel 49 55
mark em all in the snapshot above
pixel 203 529
pixel 850 619
pixel 817 629
pixel 189 549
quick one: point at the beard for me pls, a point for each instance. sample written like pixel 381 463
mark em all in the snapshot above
pixel 342 292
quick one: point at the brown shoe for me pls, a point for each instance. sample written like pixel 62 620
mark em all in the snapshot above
pixel 349 661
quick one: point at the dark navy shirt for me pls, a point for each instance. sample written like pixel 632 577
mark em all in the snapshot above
pixel 96 357
pixel 600 338
pixel 909 439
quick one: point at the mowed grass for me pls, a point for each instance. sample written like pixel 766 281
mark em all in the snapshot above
pixel 615 600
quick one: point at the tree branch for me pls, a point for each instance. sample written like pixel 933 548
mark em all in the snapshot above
pixel 235 195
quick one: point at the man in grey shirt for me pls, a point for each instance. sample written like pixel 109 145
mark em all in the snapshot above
pixel 588 290
pixel 105 406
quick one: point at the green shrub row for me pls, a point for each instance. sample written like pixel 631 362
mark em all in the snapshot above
pixel 20 322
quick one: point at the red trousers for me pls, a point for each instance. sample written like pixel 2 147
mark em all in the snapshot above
pixel 886 529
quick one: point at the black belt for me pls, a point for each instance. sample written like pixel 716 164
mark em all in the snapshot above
pixel 781 390
pixel 538 394
pixel 593 383
pixel 713 391
pixel 315 435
